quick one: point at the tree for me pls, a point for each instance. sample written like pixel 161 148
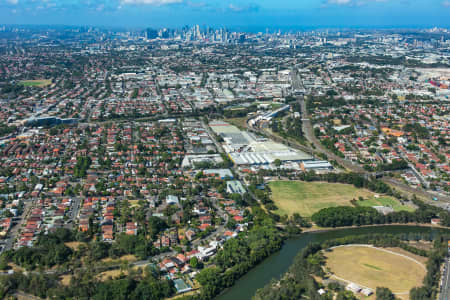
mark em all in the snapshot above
pixel 194 262
pixel 345 295
pixel 156 225
pixel 384 294
pixel 231 224
pixel 210 279
pixel 277 162
pixel 81 167
pixel 3 263
pixel 419 293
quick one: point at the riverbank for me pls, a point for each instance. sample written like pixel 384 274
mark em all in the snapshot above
pixel 316 229
pixel 277 264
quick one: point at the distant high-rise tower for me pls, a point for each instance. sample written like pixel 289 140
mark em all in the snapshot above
pixel 151 33
pixel 165 33
pixel 198 34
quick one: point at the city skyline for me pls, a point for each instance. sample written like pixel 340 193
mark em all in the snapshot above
pixel 245 15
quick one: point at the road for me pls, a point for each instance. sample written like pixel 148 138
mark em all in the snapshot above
pixel 212 135
pixel 310 136
pixel 221 150
pixel 444 201
pixel 15 229
pixel 12 235
pixel 308 131
pixel 445 291
pixel 220 230
pixel 75 208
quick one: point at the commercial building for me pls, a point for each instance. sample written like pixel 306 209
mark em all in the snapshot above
pixel 222 173
pixel 192 160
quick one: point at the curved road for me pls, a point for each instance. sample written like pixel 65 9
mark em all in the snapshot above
pixel 311 137
pixel 444 201
pixel 309 134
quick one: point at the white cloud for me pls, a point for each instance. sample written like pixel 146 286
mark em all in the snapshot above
pixel 13 1
pixel 446 3
pixel 353 2
pixel 245 8
pixel 151 2
pixel 234 7
pixel 339 1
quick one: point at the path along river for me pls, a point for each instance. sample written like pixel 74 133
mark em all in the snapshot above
pixel 277 264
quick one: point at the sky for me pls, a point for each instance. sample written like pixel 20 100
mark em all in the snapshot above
pixel 239 14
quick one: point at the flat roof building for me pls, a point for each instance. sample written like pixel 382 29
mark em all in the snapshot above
pixel 316 165
pixel 222 173
pixel 171 200
pixel 235 187
pixel 191 160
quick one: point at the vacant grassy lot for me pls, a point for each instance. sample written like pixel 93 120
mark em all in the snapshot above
pixel 65 279
pixel 238 122
pixel 37 83
pixel 129 258
pixel 373 267
pixel 306 198
pixel 133 203
pixel 74 245
pixel 112 273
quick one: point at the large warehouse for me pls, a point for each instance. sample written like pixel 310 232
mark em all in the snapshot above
pixel 260 153
pixel 234 138
pixel 245 148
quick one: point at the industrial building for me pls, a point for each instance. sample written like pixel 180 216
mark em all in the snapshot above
pixel 268 157
pixel 266 152
pixel 247 149
pixel 318 165
pixel 234 139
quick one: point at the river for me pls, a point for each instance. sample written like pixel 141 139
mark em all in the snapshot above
pixel 277 264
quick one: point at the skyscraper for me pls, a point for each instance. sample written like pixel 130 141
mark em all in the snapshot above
pixel 151 33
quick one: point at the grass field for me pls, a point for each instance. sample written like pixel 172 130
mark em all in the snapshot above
pixel 385 201
pixel 37 83
pixel 372 267
pixel 306 198
pixel 273 105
